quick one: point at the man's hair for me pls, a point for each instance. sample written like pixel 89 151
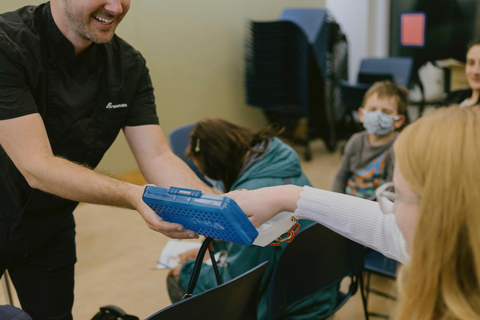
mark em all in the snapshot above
pixel 438 157
pixel 220 147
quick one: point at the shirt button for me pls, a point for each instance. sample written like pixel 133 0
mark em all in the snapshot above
pixel 53 112
pixel 53 63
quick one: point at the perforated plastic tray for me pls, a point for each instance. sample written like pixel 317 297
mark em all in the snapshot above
pixel 209 215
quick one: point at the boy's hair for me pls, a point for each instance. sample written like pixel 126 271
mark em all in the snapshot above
pixel 387 89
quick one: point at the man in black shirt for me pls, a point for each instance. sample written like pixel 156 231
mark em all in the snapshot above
pixel 68 85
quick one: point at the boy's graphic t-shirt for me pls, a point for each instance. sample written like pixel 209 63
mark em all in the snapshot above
pixel 364 168
pixel 364 182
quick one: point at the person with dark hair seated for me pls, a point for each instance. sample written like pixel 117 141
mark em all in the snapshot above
pixel 8 312
pixel 471 96
pixel 236 158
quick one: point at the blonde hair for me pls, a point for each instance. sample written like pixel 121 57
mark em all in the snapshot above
pixel 439 157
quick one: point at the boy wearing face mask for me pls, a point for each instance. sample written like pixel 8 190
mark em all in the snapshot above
pixel 367 161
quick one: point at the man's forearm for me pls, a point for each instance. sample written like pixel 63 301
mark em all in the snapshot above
pixel 74 182
pixel 167 170
pixel 157 162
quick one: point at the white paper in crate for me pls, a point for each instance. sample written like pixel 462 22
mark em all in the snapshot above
pixel 168 257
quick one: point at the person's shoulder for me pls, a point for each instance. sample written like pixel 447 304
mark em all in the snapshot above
pixel 279 143
pixel 118 46
pixel 19 30
pixel 280 147
pixel 20 22
pixel 355 144
pixel 357 139
pixel 359 135
pixel 457 96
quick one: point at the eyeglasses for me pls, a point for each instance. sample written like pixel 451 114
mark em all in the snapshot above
pixel 388 199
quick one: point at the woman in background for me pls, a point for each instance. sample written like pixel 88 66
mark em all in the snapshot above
pixel 234 158
pixel 471 96
pixel 430 221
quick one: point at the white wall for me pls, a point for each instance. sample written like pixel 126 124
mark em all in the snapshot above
pixel 366 24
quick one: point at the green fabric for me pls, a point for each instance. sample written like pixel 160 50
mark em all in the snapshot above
pixel 279 163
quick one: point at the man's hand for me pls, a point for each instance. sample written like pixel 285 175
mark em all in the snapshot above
pixel 156 223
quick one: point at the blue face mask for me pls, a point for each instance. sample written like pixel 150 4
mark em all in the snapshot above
pixel 217 184
pixel 378 123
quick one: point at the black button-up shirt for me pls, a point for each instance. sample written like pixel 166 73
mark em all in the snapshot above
pixel 84 101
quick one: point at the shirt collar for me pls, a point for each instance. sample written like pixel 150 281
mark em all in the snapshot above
pixel 63 46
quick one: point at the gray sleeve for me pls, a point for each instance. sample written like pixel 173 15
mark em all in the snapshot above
pixel 389 162
pixel 343 173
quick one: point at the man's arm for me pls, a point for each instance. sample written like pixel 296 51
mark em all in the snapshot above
pixel 26 142
pixel 157 162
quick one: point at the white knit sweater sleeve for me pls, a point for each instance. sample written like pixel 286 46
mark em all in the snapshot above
pixel 357 219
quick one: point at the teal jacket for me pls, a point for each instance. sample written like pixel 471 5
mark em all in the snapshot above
pixel 280 165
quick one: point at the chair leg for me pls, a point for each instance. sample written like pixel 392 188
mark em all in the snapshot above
pixel 367 294
pixel 379 315
pixel 367 286
pixel 6 288
pixel 383 294
pixel 362 292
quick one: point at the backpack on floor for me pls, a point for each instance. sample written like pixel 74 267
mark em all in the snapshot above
pixel 113 313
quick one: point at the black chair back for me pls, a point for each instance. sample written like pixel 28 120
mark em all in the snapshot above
pixel 316 259
pixel 233 300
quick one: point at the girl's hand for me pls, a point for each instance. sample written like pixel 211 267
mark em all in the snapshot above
pixel 261 205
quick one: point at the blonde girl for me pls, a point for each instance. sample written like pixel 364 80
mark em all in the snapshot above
pixel 430 220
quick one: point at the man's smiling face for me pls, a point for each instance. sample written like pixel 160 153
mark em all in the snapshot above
pixel 93 20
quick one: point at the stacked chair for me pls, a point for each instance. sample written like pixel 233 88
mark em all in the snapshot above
pixel 293 68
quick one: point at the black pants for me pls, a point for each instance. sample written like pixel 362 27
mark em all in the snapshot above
pixel 44 278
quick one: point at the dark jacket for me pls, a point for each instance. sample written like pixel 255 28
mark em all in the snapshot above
pixel 457 97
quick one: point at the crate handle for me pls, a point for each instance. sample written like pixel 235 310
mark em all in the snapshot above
pixel 185 192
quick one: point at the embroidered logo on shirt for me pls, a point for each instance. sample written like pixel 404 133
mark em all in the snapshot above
pixel 116 106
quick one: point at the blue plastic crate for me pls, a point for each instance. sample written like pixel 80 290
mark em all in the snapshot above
pixel 209 215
